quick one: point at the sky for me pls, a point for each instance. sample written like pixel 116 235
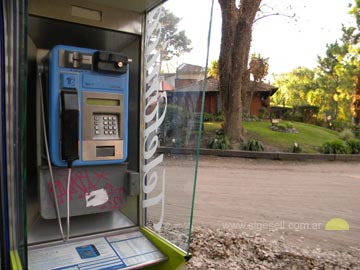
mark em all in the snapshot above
pixel 287 42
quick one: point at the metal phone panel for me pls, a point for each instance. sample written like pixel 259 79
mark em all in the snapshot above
pixel 110 180
pixel 67 72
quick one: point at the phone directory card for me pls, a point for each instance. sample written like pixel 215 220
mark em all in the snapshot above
pixel 125 251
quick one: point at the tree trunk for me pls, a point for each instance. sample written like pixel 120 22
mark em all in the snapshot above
pixel 355 106
pixel 233 62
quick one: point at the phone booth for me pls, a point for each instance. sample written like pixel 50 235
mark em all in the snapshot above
pixel 88 114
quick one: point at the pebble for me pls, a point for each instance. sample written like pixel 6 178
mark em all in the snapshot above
pixel 232 250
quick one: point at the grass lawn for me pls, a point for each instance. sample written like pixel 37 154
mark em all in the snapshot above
pixel 309 137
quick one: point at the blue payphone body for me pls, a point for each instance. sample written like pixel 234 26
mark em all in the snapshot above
pixel 88 106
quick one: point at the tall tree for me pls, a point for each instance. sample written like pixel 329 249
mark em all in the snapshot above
pixel 173 42
pixel 350 61
pixel 336 81
pixel 237 23
pixel 296 88
pixel 340 69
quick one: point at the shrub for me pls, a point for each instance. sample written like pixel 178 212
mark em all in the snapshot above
pixel 208 117
pixel 356 131
pixel 219 117
pixel 213 117
pixel 219 142
pixel 354 146
pixel 220 131
pixel 262 113
pixel 251 118
pixel 173 126
pixel 346 134
pixel 296 117
pixel 338 125
pixel 335 147
pixel 308 113
pixel 253 145
pixel 295 148
pixel 289 125
pixel 281 127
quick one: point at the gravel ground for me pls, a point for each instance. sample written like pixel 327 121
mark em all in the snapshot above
pixel 232 192
pixel 231 249
pixel 219 249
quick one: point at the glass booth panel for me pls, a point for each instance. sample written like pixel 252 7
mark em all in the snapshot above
pixel 101 96
pixel 13 130
pixel 172 117
pixel 3 203
pixel 175 75
pixel 70 56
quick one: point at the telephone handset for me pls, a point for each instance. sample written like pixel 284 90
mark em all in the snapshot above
pixel 69 126
pixel 88 106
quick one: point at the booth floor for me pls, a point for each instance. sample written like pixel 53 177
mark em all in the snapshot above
pixel 130 250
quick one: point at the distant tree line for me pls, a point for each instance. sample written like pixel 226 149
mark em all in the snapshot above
pixel 334 85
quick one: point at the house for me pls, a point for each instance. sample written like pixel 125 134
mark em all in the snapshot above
pixel 185 88
pixel 193 93
pixel 260 94
pixel 187 74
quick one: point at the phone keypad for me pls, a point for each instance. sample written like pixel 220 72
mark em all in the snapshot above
pixel 106 126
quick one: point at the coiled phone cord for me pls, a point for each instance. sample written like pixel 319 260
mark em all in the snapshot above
pixel 51 171
pixel 68 203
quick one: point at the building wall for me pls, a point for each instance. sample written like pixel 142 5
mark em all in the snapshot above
pixel 182 83
pixel 257 104
pixel 211 102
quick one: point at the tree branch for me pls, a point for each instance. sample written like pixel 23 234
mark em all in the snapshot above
pixel 274 14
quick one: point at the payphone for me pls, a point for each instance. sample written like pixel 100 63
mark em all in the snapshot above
pixel 88 106
pixel 87 100
pixel 94 115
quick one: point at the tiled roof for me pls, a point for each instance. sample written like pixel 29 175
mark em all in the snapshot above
pixel 188 68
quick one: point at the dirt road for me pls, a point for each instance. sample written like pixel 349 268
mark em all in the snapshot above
pixel 277 199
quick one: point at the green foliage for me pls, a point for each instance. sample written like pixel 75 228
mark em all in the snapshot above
pixel 296 148
pixel 335 147
pixel 213 117
pixel 333 86
pixel 259 67
pixel 354 146
pixel 308 113
pixel 284 127
pixel 208 117
pixel 172 129
pixel 338 125
pixel 214 69
pixel 294 86
pixel 221 142
pixel 296 117
pixel 262 113
pixel 346 134
pixel 356 131
pixel 310 137
pixel 176 41
pixel 289 125
pixel 251 118
pixel 280 112
pixel 253 145
pixel 281 126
